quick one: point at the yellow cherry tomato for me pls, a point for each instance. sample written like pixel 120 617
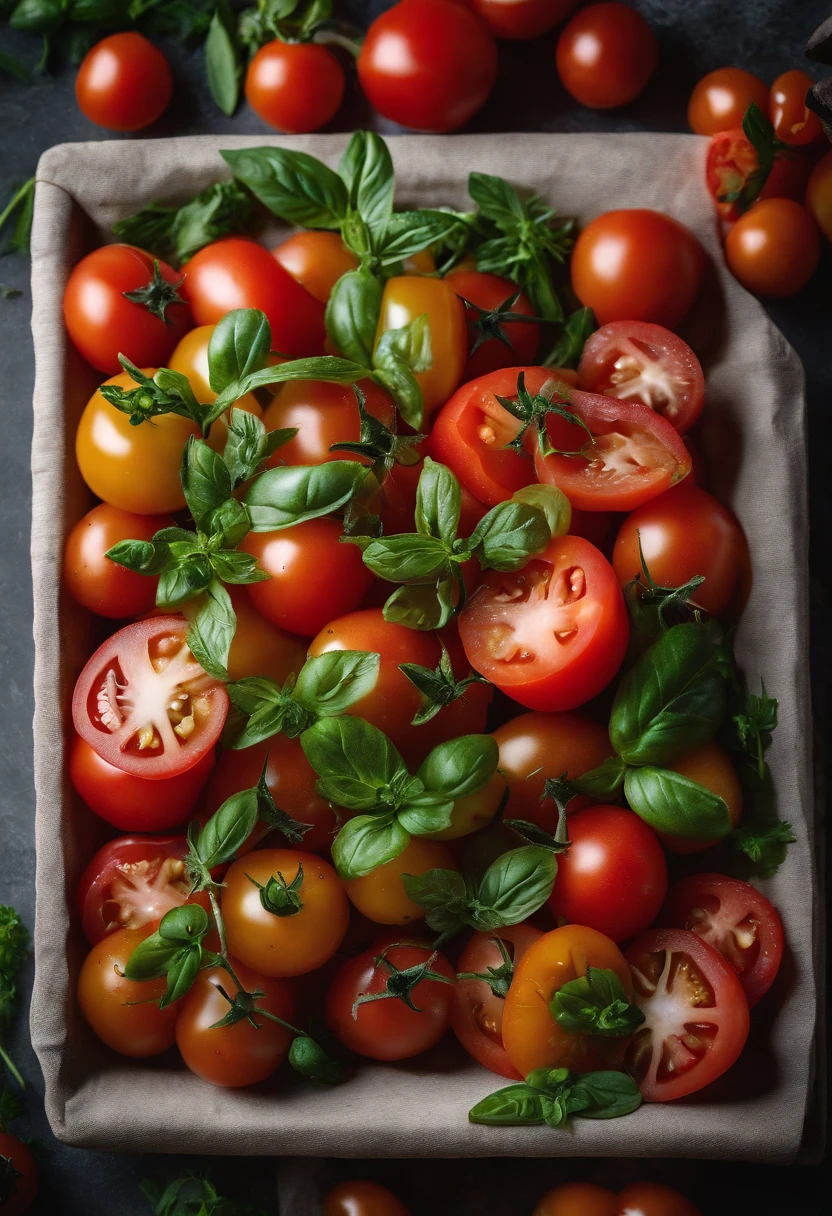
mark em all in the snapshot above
pixel 381 896
pixel 474 811
pixel 407 297
pixel 191 359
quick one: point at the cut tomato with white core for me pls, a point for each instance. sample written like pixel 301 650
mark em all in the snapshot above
pixel 131 882
pixel 695 1014
pixel 648 364
pixel 145 705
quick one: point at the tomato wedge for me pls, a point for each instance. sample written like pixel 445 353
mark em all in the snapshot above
pixel 646 363
pixel 145 705
pixel 737 920
pixel 630 455
pixel 552 634
pixel 696 1014
pixel 733 164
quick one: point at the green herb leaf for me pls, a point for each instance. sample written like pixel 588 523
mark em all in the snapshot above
pixel 424 606
pixel 248 444
pixel 425 812
pixel 283 497
pixel 551 1095
pixel 356 763
pixel 367 842
pixel 439 686
pixel 352 313
pixel 269 709
pixel 443 894
pixel 328 684
pixel 177 233
pixel 604 782
pixel 309 1059
pixel 607 1095
pixel 223 63
pixel 228 829
pixel 552 502
pixel 367 172
pixel 765 846
pixel 292 185
pixel 400 353
pixel 239 345
pixel 406 558
pixel 438 502
pixel 676 806
pixel 460 766
pixel 572 339
pixel 141 556
pixel 212 630
pixel 206 483
pixel 515 886
pixel 597 1004
pixel 508 535
pixel 410 232
pixel 512 1106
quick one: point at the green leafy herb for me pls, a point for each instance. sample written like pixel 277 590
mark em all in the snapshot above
pixel 533 410
pixel 293 494
pixel 760 134
pixel 439 686
pixel 765 847
pixel 21 209
pixel 14 946
pixel 597 1004
pixel 174 951
pixel 570 343
pixel 552 1095
pixel 653 608
pixel 604 782
pixel 177 233
pixel 292 185
pixel 675 805
pixel 223 62
pixel 193 1195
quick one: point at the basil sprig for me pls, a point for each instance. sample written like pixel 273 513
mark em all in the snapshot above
pixel 177 233
pixel 597 1004
pixel 439 686
pixel 532 411
pixel 174 951
pixel 759 132
pixel 675 805
pixel 552 1095
pixel 359 768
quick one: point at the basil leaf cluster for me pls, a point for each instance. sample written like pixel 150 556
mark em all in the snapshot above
pixel 552 1095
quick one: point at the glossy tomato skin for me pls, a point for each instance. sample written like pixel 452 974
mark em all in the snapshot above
pixel 794 123
pixel 191 359
pixel 324 414
pixel 103 323
pixel 260 648
pixel 130 803
pixel 737 920
pixel 578 1199
pixel 532 1037
pixel 680 984
pixel 774 249
pixel 613 877
pixel 381 895
pixel 638 265
pixel 22 1186
pixel 720 99
pixel 388 1029
pixel 733 161
pixel 428 64
pixel 124 83
pixel 294 86
pixel 133 468
pixel 239 273
pixel 606 55
pixel 522 19
pixel 99 584
pixel 489 291
pixel 316 260
pixel 686 532
pixel 653 1199
pixel 712 767
pixel 238 1055
pixel 120 1011
pixel 819 195
pixel 477 1015
pixel 637 361
pixel 362 1198
pixel 313 576
pixel 409 296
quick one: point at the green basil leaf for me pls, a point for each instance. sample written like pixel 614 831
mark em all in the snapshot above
pixel 185 925
pixel 572 339
pixel 552 502
pixel 205 480
pixel 293 185
pixel 238 569
pixel 399 353
pixel 425 812
pixel 422 606
pixel 274 817
pixel 352 313
pixel 367 842
pixel 212 630
pixel 268 709
pixel 239 345
pixel 444 896
pixel 356 763
pixel 38 16
pixel 608 1095
pixel 367 171
pixel 293 494
pixel 228 524
pixel 409 232
pixel 228 829
pixel 141 556
pixel 676 806
pixel 535 277
pixel 310 1060
pixel 223 64
pixel 405 558
pixel 397 378
pixel 324 367
pixel 183 970
pixel 509 535
pixel 513 1106
pixel 516 885
pixel 180 583
pixel 329 683
pixel 596 1004
pixel 496 199
pixel 177 385
pixel 460 766
pixel 151 958
pixel 604 782
pixel 248 444
pixel 438 502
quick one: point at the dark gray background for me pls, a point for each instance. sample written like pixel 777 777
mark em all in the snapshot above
pixel 765 36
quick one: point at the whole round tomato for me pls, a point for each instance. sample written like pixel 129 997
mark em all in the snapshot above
pixel 191 359
pixel 120 1011
pixel 536 746
pixel 712 767
pixel 819 194
pixel 131 803
pixel 133 468
pixel 92 579
pixel 774 249
pixel 239 1054
pixel 316 260
pixel 409 296
pixel 637 361
pixel 324 414
pixel 696 1014
pixel 794 123
pixel 737 920
pixel 145 704
pixel 389 1029
pixel 531 1036
pixel 313 577
pixel 613 877
pixel 260 648
pixel 606 55
pixel 683 533
pixel 552 634
pixel 362 1198
pixel 474 811
pixel 720 99
pixel 239 273
pixel 638 265
pixel 733 166
pixel 278 928
pixel 477 1015
pixel 653 1199
pixel 18 1176
pixel 381 896
pixel 295 86
pixel 514 343
pixel 124 83
pixel 519 20
pixel 103 322
pixel 428 64
pixel 578 1199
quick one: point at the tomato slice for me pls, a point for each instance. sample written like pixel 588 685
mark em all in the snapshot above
pixel 737 920
pixel 552 634
pixel 646 363
pixel 631 454
pixel 733 161
pixel 145 705
pixel 696 1014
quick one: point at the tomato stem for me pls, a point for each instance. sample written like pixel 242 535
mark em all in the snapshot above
pixel 12 1067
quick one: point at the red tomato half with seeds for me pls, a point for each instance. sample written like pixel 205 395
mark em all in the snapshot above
pixel 513 342
pixel 145 705
pixel 737 920
pixel 696 1014
pixel 623 455
pixel 648 364
pixel 552 634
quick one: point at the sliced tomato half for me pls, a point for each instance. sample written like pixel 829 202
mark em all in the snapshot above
pixel 695 1011
pixel 145 705
pixel 733 163
pixel 638 361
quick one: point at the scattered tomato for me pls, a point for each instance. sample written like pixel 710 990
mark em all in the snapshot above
pixel 578 1199
pixel 519 20
pixel 260 648
pixel 519 341
pixel 324 414
pixel 605 55
pixel 774 249
pixel 794 123
pixel 18 1176
pixel 712 767
pixel 653 1199
pixel 362 1198
pixel 720 99
pixel 124 83
pixel 316 260
pixel 380 895
pixel 409 296
pixel 295 86
pixel 122 1012
pixel 92 579
pixel 819 195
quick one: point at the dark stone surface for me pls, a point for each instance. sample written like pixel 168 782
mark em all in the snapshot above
pixel 765 36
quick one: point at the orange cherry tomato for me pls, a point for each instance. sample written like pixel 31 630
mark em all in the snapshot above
pixel 191 359
pixel 720 99
pixel 380 895
pixel 819 195
pixel 653 1199
pixel 124 83
pixel 712 767
pixel 774 248
pixel 578 1199
pixel 606 55
pixel 295 86
pixel 362 1198
pixel 409 296
pixel 316 260
pixel 122 1012
pixel 260 648
pixel 794 123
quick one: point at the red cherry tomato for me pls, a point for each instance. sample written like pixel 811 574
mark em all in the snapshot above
pixel 519 340
pixel 324 414
pixel 720 99
pixel 238 273
pixel 553 634
pixel 258 648
pixel 733 166
pixel 519 20
pixel 131 803
pixel 145 705
pixel 793 122
pixel 98 583
pixel 295 86
pixel 696 1014
pixel 428 64
pixel 124 1013
pixel 578 1199
pixel 774 249
pixel 124 83
pixel 613 877
pixel 362 1198
pixel 605 55
pixel 737 920
pixel 819 195
pixel 103 323
pixel 637 361
pixel 653 1199
pixel 18 1176
pixel 638 265
pixel 316 259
